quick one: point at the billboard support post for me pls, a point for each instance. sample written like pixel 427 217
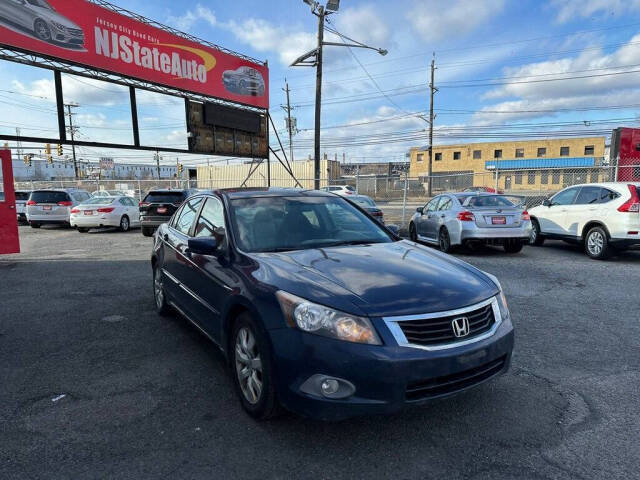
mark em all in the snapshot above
pixel 62 127
pixel 134 116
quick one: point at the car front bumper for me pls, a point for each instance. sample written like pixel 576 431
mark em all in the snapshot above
pixel 383 376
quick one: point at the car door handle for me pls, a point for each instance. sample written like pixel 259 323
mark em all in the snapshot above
pixel 166 237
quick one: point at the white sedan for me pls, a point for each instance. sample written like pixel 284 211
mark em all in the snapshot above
pixel 120 212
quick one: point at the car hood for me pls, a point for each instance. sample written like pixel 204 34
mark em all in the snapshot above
pixel 55 16
pixel 390 279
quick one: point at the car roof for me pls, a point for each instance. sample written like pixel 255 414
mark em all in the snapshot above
pixel 233 193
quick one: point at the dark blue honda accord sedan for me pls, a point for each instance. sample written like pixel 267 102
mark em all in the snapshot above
pixel 322 310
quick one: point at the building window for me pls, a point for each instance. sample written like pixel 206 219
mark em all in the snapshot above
pixel 531 178
pixel 589 150
pixel 518 178
pixel 456 155
pixel 555 177
pixel 477 154
pixel 519 152
pixel 438 157
pixel 497 154
pixel 542 151
pixel 544 178
pixel 420 157
pixel 564 151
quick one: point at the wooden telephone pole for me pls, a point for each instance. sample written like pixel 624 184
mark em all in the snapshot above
pixel 432 90
pixel 289 123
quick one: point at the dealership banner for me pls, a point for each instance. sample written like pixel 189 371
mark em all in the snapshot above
pixel 84 33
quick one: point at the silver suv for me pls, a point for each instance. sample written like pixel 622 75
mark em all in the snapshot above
pixel 53 206
pixel 39 18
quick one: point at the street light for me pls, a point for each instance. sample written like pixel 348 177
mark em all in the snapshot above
pixel 313 58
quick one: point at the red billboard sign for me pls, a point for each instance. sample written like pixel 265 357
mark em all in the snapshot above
pixel 81 32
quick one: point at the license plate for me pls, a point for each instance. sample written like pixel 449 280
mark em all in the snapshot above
pixel 499 220
pixel 162 210
pixel 88 212
pixel 47 207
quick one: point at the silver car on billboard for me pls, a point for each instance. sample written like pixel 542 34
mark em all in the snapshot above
pixel 42 21
pixel 469 219
pixel 244 81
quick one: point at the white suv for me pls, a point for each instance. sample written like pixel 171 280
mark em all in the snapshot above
pixel 602 216
pixel 342 190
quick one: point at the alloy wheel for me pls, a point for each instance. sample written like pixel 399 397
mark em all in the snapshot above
pixel 248 365
pixel 124 224
pixel 444 241
pixel 158 288
pixel 595 243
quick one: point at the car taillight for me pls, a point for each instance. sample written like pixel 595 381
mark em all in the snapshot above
pixel 75 210
pixel 525 216
pixel 465 216
pixel 65 203
pixel 144 204
pixel 633 204
pixel 106 210
pixel 348 192
pixel 31 202
pixel 377 214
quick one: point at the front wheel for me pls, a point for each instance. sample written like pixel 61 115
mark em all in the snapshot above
pixel 34 225
pixel 162 307
pixel 147 231
pixel 535 237
pixel 597 245
pixel 413 235
pixel 444 241
pixel 83 230
pixel 42 30
pixel 252 369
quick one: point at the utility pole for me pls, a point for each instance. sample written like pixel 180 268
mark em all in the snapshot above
pixel 72 132
pixel 289 123
pixel 432 90
pixel 18 144
pixel 316 143
pixel 158 163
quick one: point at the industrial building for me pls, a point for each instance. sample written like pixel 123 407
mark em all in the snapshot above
pixel 520 165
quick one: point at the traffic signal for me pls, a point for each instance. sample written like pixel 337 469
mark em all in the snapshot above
pixel 30 160
pixel 6 144
pixel 180 168
pixel 47 149
pixel 26 159
pixel 60 152
pixel 50 159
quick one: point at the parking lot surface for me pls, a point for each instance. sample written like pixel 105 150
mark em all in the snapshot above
pixel 96 385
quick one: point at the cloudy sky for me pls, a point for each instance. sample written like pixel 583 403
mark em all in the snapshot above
pixel 505 69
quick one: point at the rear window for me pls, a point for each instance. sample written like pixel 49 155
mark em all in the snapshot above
pixel 164 197
pixel 24 196
pixel 488 201
pixel 49 197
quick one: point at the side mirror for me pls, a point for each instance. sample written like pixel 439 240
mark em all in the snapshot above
pixel 546 202
pixel 203 246
pixel 394 228
pixel 420 210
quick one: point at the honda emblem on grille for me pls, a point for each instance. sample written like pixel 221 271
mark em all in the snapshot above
pixel 460 327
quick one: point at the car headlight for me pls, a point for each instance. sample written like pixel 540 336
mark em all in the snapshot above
pixel 502 300
pixel 320 320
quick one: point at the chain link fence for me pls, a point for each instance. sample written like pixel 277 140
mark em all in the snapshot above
pixel 397 195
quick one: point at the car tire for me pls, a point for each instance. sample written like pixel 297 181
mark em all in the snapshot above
pixel 413 234
pixel 35 225
pixel 444 241
pixel 159 293
pixel 513 246
pixel 536 238
pixel 83 229
pixel 252 369
pixel 147 231
pixel 42 30
pixel 125 225
pixel 596 244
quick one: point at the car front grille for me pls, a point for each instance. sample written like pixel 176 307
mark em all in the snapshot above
pixel 76 32
pixel 435 387
pixel 438 331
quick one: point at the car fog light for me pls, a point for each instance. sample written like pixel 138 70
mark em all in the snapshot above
pixel 329 386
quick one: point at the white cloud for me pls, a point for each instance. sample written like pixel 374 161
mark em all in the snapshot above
pixel 438 19
pixel 363 24
pixel 570 9
pixel 191 17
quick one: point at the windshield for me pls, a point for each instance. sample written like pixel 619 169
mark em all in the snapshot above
pixel 100 201
pixel 40 3
pixel 164 197
pixel 272 224
pixel 488 201
pixel 364 201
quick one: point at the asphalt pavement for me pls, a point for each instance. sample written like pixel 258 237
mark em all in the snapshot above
pixel 93 384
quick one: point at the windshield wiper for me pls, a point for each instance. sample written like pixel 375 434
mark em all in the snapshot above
pixel 349 242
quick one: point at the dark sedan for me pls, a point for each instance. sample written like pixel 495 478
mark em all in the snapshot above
pixel 322 310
